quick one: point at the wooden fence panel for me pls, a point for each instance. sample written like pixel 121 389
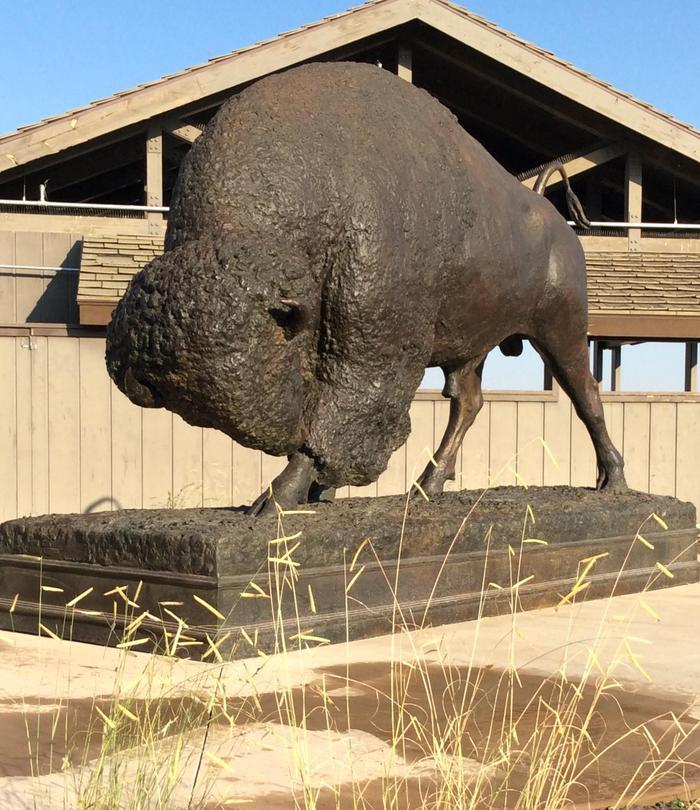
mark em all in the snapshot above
pixel 615 421
pixel 8 431
pixel 247 474
pixel 636 444
pixel 8 280
pixel 504 443
pixel 475 451
pixel 393 480
pixel 24 349
pixel 217 469
pixel 688 452
pixel 30 283
pixel 557 437
pixel 529 463
pixel 39 408
pixel 157 425
pixel 95 433
pixel 33 291
pixel 187 464
pixel 581 454
pixel 69 441
pixel 127 456
pixel 64 425
pixel 662 448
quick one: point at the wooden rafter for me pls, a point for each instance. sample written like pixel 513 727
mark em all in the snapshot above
pixel 507 88
pixel 584 163
pixel 512 133
pixel 62 176
pixel 565 79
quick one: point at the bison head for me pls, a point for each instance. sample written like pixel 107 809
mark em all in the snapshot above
pixel 203 332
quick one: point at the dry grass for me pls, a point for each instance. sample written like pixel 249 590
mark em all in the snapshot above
pixel 452 736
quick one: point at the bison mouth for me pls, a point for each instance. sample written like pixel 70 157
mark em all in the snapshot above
pixel 140 393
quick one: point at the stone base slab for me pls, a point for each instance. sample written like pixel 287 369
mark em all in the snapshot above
pixel 335 575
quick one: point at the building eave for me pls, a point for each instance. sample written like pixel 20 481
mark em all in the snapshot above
pixel 224 73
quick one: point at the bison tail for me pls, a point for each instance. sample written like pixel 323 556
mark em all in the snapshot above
pixel 572 201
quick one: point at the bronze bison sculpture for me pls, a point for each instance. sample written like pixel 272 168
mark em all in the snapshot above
pixel 332 233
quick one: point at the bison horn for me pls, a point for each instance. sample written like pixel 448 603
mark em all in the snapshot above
pixel 294 318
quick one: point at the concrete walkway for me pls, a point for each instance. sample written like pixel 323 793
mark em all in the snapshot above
pixel 649 646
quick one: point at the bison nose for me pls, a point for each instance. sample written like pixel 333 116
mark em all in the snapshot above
pixel 137 392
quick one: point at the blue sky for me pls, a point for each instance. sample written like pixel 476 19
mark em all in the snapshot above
pixel 58 55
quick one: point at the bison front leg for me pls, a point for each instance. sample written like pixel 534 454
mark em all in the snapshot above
pixel 288 490
pixel 463 387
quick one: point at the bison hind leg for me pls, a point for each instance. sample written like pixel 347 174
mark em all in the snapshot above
pixel 565 350
pixel 463 388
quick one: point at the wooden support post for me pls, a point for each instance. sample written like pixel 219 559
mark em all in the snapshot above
pixel 633 198
pixel 615 368
pixel 548 379
pixel 405 62
pixel 691 366
pixel 598 360
pixel 154 176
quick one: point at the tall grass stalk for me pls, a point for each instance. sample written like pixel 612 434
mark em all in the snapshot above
pixel 149 744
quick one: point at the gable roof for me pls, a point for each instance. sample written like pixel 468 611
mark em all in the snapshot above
pixel 222 73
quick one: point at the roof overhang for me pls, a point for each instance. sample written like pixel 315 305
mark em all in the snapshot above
pixel 166 95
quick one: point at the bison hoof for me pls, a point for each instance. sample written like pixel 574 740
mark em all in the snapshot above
pixel 429 485
pixel 288 490
pixel 611 482
pixel 264 504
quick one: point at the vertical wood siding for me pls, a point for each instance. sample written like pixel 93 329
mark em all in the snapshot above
pixel 71 442
pixel 38 295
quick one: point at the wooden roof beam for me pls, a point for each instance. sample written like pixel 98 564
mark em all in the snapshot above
pixel 566 80
pixel 180 130
pixel 584 163
pixel 62 176
pixel 504 86
pixel 489 123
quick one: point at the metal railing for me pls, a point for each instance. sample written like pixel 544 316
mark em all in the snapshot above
pixel 39 267
pixel 651 226
pixel 130 210
pixel 88 209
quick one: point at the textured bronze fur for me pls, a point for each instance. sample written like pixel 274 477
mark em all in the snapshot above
pixel 333 232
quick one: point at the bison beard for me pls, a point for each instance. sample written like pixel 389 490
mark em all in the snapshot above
pixel 333 232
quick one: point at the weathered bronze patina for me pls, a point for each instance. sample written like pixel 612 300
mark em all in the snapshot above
pixel 333 232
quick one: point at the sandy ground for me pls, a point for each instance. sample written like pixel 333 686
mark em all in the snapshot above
pixel 51 731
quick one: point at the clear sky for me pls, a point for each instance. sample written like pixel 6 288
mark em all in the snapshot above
pixel 59 55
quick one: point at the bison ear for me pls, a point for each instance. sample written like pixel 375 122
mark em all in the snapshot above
pixel 292 316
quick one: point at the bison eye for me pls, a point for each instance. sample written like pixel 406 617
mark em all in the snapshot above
pixel 292 316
